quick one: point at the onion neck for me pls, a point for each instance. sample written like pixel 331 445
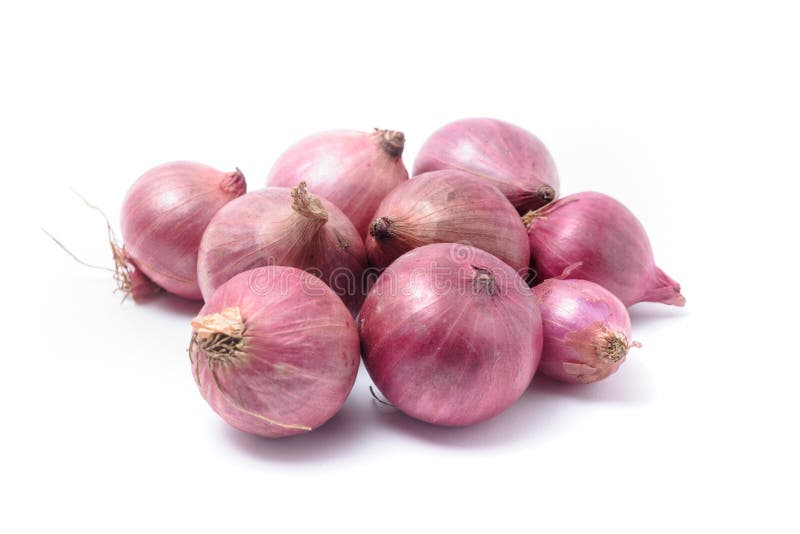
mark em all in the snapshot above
pixel 234 183
pixel 546 194
pixel 220 336
pixel 392 142
pixel 381 228
pixel 483 281
pixel 313 214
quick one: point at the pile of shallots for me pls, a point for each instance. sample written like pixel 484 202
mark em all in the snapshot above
pixel 454 286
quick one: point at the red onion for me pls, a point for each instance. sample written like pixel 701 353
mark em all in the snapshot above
pixel 586 330
pixel 447 207
pixel 163 218
pixel 274 352
pixel 354 170
pixel 607 240
pixel 282 226
pixel 511 158
pixel 450 334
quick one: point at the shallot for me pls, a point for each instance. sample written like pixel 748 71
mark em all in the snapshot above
pixel 282 226
pixel 274 352
pixel 447 207
pixel 164 216
pixel 607 240
pixel 587 330
pixel 354 170
pixel 511 158
pixel 450 334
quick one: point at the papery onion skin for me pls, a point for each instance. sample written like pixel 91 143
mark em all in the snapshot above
pixel 354 170
pixel 450 334
pixel 512 158
pixel 288 365
pixel 587 330
pixel 447 207
pixel 268 227
pixel 606 240
pixel 163 218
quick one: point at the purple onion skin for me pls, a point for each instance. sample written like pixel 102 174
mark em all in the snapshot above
pixel 262 228
pixel 587 330
pixel 447 207
pixel 450 334
pixel 163 218
pixel 513 159
pixel 299 353
pixel 604 243
pixel 354 170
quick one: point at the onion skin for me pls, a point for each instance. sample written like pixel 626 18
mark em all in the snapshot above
pixel 586 330
pixel 512 158
pixel 164 216
pixel 270 227
pixel 604 242
pixel 274 352
pixel 450 334
pixel 354 170
pixel 447 207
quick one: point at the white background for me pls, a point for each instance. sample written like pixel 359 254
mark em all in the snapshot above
pixel 686 111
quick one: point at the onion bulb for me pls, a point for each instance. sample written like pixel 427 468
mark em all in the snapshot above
pixel 282 226
pixel 354 170
pixel 450 334
pixel 587 330
pixel 606 240
pixel 274 352
pixel 163 218
pixel 447 207
pixel 511 158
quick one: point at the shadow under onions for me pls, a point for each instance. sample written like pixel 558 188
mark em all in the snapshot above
pixel 170 303
pixel 629 385
pixel 646 313
pixel 340 434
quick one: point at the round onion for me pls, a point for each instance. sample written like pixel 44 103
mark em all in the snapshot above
pixel 447 207
pixel 282 226
pixel 586 330
pixel 274 352
pixel 513 159
pixel 163 218
pixel 608 242
pixel 354 170
pixel 450 334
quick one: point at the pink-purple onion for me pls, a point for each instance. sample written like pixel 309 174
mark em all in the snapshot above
pixel 282 226
pixel 511 158
pixel 164 216
pixel 606 240
pixel 450 334
pixel 274 352
pixel 587 330
pixel 354 170
pixel 447 207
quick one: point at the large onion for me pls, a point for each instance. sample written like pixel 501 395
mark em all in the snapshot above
pixel 282 226
pixel 587 330
pixel 450 334
pixel 354 170
pixel 274 352
pixel 447 207
pixel 513 159
pixel 163 218
pixel 606 240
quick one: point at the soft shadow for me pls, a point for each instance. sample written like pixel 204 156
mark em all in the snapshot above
pixel 334 438
pixel 630 385
pixel 174 304
pixel 535 414
pixel 645 313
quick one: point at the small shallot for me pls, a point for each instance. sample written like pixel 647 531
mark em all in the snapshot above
pixel 587 330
